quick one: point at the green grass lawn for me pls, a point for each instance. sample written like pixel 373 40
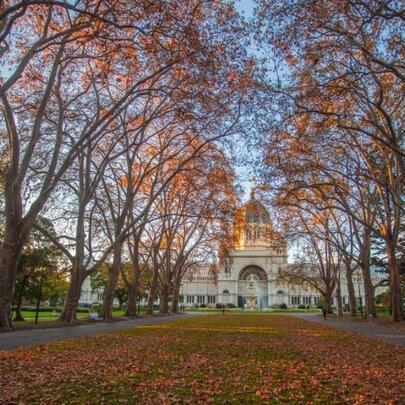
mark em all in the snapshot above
pixel 29 316
pixel 231 359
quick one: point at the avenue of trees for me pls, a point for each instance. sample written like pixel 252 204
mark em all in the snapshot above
pixel 112 115
pixel 114 123
pixel 335 159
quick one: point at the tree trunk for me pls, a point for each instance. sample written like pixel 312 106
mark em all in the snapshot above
pixel 369 306
pixel 68 314
pixel 13 241
pixel 339 307
pixel 133 288
pixel 328 301
pixel 132 296
pixel 152 292
pixel 10 254
pixel 396 297
pixel 175 299
pixel 364 260
pixel 176 289
pixel 109 294
pixel 164 299
pixel 19 298
pixel 350 291
pixel 18 314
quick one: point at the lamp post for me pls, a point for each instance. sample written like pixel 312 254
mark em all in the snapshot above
pixel 139 303
pixel 39 295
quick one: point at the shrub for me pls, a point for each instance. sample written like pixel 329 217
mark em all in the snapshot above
pixel 320 303
pixel 203 306
pixel 279 306
pixel 42 309
pixel 301 306
pixel 231 306
pixel 381 309
pixel 80 310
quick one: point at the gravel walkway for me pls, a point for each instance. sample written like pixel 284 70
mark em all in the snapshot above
pixel 12 340
pixel 367 329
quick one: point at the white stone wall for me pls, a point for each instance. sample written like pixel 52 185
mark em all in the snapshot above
pixel 89 297
pixel 277 293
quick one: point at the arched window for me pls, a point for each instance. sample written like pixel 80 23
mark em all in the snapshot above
pixel 257 271
pixel 225 292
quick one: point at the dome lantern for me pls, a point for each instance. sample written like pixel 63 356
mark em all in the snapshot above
pixel 253 226
pixel 255 212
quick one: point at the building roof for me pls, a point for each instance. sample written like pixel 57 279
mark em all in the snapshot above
pixel 255 212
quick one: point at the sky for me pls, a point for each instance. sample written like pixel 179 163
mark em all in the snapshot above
pixel 245 7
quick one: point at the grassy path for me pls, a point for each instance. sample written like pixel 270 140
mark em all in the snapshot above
pixel 232 359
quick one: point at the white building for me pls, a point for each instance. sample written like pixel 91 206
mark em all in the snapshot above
pixel 250 280
pixel 89 296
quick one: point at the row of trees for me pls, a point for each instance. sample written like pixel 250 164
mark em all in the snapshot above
pixel 111 120
pixel 113 115
pixel 335 159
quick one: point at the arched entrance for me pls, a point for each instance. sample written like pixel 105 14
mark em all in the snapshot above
pixel 252 288
pixel 225 297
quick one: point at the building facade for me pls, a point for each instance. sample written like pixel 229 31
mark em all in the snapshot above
pixel 250 279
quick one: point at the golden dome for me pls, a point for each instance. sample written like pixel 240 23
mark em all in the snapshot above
pixel 255 212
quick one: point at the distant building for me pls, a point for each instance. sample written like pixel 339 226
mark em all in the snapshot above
pixel 250 280
pixel 89 296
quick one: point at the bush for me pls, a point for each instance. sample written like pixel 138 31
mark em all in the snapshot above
pixel 279 306
pixel 33 309
pixel 203 306
pixel 301 306
pixel 80 310
pixel 219 305
pixel 381 309
pixel 320 303
pixel 383 299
